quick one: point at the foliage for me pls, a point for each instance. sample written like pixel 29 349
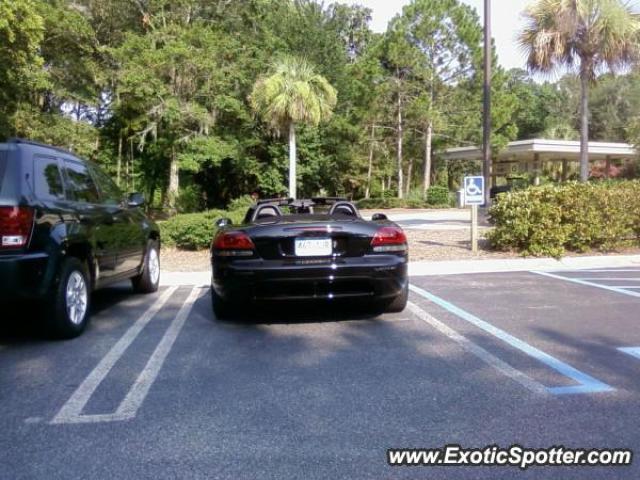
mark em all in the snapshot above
pixel 382 203
pixel 241 203
pixel 21 34
pixel 194 231
pixel 294 93
pixel 159 93
pixel 438 195
pixel 551 219
pixel 587 36
pixel 413 200
pixel 190 200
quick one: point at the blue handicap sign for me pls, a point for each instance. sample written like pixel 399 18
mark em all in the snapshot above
pixel 474 190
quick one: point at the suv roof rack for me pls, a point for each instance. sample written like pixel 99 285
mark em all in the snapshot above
pixel 38 144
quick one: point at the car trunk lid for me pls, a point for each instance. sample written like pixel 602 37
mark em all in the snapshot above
pixel 312 238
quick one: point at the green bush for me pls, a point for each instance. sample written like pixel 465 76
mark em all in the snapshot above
pixel 437 195
pixel 194 231
pixel 240 203
pixel 190 199
pixel 578 217
pixel 373 203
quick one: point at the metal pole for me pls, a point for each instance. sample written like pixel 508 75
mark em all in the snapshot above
pixel 474 228
pixel 486 163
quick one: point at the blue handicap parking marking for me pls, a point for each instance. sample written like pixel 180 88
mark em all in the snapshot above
pixel 585 382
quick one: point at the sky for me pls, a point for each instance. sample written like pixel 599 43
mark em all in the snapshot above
pixel 506 23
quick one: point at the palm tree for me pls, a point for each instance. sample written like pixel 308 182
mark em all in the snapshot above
pixel 294 93
pixel 588 35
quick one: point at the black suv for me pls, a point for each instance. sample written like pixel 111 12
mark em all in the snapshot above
pixel 65 230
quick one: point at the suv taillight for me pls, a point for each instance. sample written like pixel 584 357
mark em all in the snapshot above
pixel 233 244
pixel 389 239
pixel 15 226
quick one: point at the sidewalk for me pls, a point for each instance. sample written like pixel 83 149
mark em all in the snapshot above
pixel 458 267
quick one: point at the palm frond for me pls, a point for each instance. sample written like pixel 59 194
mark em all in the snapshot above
pixel 293 92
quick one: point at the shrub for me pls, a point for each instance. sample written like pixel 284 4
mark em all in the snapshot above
pixel 578 217
pixel 190 199
pixel 194 231
pixel 373 203
pixel 240 203
pixel 438 196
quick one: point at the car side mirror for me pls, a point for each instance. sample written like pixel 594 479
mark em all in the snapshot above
pixel 135 200
pixel 223 222
pixel 377 217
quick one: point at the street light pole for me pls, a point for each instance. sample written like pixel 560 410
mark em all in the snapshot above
pixel 486 162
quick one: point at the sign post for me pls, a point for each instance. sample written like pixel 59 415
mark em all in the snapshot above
pixel 474 192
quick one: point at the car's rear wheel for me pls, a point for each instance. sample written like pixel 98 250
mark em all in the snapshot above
pixel 399 303
pixel 71 300
pixel 149 280
pixel 222 309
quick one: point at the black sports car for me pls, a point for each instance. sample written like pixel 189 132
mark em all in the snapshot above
pixel 315 249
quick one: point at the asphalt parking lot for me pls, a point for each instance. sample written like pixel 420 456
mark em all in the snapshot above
pixel 157 388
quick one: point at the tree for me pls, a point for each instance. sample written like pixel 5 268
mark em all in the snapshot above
pixel 590 35
pixel 402 63
pixel 293 94
pixel 447 36
pixel 21 35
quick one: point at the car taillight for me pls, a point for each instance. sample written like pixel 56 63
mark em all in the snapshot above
pixel 15 226
pixel 389 239
pixel 233 244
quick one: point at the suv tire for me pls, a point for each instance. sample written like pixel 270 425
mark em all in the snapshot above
pixel 149 280
pixel 71 300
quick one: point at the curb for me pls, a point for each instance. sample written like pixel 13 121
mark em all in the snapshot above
pixel 457 267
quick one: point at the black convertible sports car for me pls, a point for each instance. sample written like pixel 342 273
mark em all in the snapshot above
pixel 315 249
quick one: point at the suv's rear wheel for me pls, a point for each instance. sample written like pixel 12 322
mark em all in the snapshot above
pixel 71 300
pixel 149 280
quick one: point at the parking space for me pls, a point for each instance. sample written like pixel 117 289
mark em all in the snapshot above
pixel 572 329
pixel 625 281
pixel 158 387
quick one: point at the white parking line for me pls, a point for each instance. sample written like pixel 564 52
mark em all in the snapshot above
pixel 633 351
pixel 478 351
pixel 609 279
pixel 140 389
pixel 71 411
pixel 588 284
pixel 609 270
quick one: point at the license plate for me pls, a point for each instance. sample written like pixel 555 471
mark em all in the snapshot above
pixel 313 247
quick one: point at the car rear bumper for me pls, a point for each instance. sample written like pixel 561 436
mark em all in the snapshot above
pixel 375 277
pixel 24 276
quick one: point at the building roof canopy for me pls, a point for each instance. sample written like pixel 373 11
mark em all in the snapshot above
pixel 547 150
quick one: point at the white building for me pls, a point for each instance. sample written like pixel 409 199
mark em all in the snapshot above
pixel 530 156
